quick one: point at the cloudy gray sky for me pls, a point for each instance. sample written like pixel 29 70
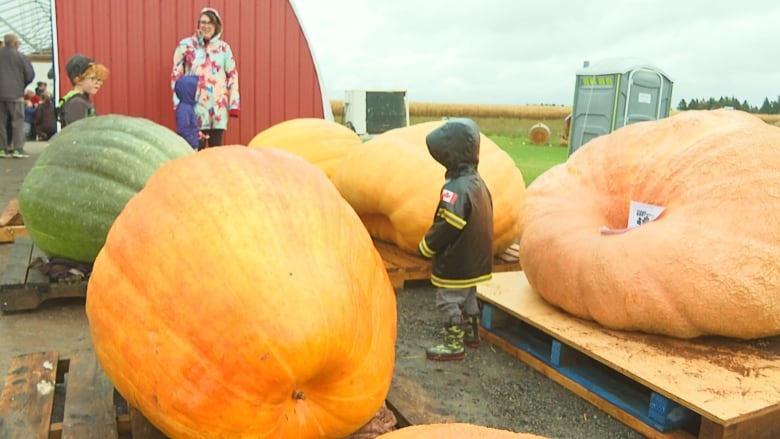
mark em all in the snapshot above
pixel 528 52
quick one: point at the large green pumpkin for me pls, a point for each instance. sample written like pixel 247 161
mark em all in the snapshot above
pixel 84 178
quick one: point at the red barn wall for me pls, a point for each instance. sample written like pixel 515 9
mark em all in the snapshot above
pixel 136 39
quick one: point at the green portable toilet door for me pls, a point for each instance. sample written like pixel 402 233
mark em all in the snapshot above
pixel 385 111
pixel 644 92
pixel 595 104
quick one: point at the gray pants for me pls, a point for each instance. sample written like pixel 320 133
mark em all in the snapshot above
pixel 13 111
pixel 453 303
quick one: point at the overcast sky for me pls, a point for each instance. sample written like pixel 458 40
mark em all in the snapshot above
pixel 528 52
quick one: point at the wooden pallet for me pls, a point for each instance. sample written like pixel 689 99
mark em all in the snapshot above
pixel 46 396
pixel 23 288
pixel 11 224
pixel 402 266
pixel 710 388
pixel 413 405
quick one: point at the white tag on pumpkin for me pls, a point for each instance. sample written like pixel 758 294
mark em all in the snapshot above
pixel 640 213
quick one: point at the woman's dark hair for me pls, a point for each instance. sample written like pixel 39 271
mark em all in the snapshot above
pixel 214 19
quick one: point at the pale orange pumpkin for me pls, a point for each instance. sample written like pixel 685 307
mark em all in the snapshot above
pixel 454 431
pixel 320 142
pixel 709 265
pixel 394 184
pixel 238 295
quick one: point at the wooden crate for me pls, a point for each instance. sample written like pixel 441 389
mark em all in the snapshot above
pixel 402 266
pixel 11 224
pixel 46 396
pixel 24 288
pixel 710 388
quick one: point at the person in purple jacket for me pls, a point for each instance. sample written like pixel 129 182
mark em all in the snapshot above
pixel 187 124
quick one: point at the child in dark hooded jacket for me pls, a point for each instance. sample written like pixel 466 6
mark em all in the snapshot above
pixel 187 124
pixel 460 240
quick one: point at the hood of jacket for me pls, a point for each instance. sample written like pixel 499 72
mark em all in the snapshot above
pixel 186 88
pixel 202 41
pixel 455 145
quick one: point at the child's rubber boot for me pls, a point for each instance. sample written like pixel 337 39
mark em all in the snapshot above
pixel 471 337
pixel 451 349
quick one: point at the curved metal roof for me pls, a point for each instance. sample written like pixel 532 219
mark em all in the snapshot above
pixel 622 64
pixel 30 20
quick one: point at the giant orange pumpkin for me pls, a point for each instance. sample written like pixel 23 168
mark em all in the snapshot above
pixel 454 431
pixel 238 295
pixel 394 184
pixel 321 142
pixel 710 264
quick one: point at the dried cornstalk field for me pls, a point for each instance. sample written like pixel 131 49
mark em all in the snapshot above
pixel 438 110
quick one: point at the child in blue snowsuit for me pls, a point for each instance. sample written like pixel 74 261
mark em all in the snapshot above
pixel 187 124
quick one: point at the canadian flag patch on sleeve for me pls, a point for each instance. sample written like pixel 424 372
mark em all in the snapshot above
pixel 448 196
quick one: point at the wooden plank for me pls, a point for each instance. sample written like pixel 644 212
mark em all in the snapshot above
pixel 509 256
pixel 24 288
pixel 15 273
pixel 89 400
pixel 396 257
pixel 765 427
pixel 35 275
pixel 602 384
pixel 142 428
pixel 581 390
pixel 10 233
pixel 728 382
pixel 28 396
pixel 11 215
pixel 413 405
pixel 31 296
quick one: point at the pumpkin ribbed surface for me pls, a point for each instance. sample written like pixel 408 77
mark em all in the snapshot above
pixel 84 177
pixel 454 431
pixel 709 265
pixel 320 142
pixel 238 295
pixel 394 184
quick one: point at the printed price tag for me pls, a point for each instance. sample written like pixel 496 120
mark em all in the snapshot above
pixel 641 213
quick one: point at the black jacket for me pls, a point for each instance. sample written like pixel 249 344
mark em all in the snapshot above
pixel 460 241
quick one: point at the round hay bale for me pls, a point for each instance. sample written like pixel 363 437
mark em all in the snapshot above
pixel 539 134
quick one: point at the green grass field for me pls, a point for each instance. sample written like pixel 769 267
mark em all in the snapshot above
pixel 532 160
pixel 511 135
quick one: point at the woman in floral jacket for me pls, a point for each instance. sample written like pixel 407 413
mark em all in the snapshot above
pixel 211 59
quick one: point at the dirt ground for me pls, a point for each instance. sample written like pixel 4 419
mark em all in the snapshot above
pixel 489 388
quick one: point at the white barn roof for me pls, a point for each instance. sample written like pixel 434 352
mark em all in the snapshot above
pixel 30 20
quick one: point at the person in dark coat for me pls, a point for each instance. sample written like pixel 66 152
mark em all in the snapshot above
pixel 44 119
pixel 460 240
pixel 187 124
pixel 16 72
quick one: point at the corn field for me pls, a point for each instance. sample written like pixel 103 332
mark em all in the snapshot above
pixel 503 120
pixel 439 110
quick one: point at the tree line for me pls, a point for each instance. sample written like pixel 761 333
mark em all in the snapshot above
pixel 768 107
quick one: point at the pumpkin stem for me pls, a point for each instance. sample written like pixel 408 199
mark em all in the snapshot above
pixel 298 394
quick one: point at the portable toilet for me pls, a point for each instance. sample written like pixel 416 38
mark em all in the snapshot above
pixel 614 93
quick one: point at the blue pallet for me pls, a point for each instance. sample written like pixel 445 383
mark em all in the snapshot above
pixel 648 406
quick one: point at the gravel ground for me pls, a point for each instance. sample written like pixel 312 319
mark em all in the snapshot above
pixel 491 387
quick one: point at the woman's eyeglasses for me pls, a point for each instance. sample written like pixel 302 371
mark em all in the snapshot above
pixel 205 22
